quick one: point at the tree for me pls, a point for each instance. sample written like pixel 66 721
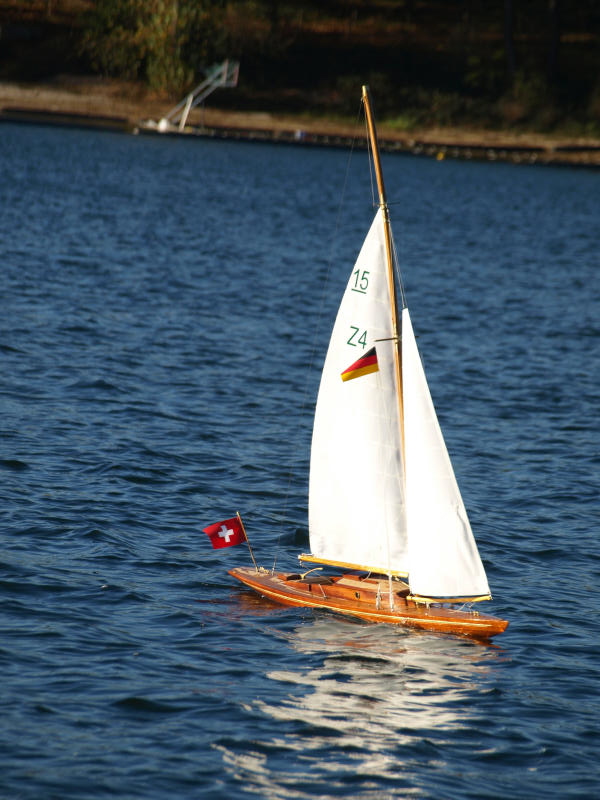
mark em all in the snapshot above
pixel 164 42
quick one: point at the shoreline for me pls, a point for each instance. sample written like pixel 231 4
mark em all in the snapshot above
pixel 127 107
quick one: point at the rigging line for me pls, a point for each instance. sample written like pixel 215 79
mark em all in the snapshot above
pixel 398 273
pixel 316 329
pixel 374 202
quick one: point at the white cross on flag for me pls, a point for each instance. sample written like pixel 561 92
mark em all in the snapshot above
pixel 226 533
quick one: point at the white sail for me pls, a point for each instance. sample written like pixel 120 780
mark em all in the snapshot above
pixel 444 561
pixel 356 497
pixel 366 507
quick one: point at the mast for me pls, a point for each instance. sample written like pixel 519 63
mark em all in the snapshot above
pixel 366 97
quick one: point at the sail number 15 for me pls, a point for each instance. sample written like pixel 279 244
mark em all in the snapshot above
pixel 361 281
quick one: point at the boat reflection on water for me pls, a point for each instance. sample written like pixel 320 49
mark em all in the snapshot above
pixel 375 672
pixel 372 703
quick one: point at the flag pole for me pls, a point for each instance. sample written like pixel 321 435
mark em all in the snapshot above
pixel 247 540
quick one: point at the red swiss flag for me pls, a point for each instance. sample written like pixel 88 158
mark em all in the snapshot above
pixel 226 533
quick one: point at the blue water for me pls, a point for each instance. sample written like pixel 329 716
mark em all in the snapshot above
pixel 164 310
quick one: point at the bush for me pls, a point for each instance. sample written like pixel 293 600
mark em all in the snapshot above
pixel 164 42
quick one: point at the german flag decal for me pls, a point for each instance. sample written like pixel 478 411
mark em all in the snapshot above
pixel 364 366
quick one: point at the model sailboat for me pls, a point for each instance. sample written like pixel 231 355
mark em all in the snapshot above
pixel 385 510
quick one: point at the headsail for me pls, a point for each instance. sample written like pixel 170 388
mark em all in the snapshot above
pixel 444 560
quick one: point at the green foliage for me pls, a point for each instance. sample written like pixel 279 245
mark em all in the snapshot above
pixel 435 62
pixel 164 42
pixel 485 73
pixel 594 105
pixel 529 100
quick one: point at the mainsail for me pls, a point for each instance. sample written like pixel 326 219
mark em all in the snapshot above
pixel 356 495
pixel 383 495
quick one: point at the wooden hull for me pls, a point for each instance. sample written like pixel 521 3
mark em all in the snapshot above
pixel 369 599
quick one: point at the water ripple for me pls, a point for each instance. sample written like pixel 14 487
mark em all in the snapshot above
pixel 164 317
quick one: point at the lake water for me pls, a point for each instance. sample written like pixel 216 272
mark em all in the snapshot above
pixel 165 306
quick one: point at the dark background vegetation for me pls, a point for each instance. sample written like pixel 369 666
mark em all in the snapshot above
pixel 525 64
